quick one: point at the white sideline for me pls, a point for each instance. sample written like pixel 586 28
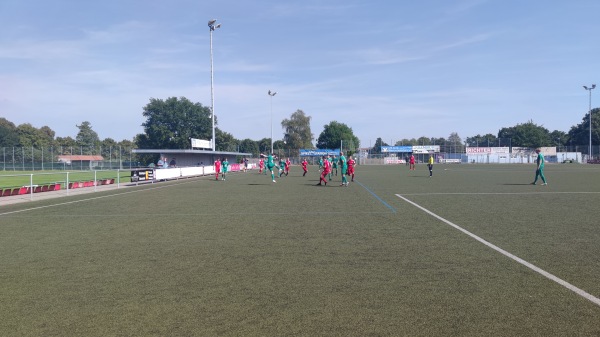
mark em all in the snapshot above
pixel 544 273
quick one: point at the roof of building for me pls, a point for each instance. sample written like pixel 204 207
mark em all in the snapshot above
pixel 79 157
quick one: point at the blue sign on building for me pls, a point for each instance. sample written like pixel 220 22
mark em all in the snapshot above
pixel 398 149
pixel 319 152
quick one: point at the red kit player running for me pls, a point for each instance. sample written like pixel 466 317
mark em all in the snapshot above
pixel 326 171
pixel 304 166
pixel 261 166
pixel 351 163
pixel 288 163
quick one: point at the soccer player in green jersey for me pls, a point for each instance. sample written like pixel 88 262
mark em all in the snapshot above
pixel 344 166
pixel 539 171
pixel 281 167
pixel 270 166
pixel 225 168
pixel 335 165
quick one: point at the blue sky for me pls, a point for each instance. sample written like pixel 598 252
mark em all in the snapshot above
pixel 389 69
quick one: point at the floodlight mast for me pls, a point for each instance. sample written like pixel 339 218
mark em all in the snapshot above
pixel 590 116
pixel 212 27
pixel 272 93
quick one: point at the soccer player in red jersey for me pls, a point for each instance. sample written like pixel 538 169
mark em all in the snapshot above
pixel 261 165
pixel 304 166
pixel 217 169
pixel 351 163
pixel 288 163
pixel 326 171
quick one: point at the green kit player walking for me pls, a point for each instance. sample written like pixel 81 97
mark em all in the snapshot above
pixel 539 171
pixel 225 168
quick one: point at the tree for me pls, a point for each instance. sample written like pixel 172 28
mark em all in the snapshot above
pixel 438 141
pixel 423 141
pixel 580 133
pixel 47 134
pixel 278 146
pixel 66 144
pixel 334 134
pixel 407 142
pixel 109 149
pixel 86 137
pixel 455 141
pixel 172 122
pixel 297 132
pixel 8 134
pixel 225 141
pixel 264 145
pixel 527 135
pixel 30 136
pixel 482 141
pixel 378 144
pixel 249 146
pixel 560 138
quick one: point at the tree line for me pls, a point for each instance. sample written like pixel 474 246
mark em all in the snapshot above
pixel 528 134
pixel 85 142
pixel 172 122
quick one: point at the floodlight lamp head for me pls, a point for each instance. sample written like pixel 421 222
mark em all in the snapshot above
pixel 212 22
pixel 593 86
pixel 218 26
pixel 585 87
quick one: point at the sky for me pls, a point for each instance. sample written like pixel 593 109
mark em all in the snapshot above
pixel 387 69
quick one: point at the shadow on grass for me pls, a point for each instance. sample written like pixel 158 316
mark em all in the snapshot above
pixel 517 184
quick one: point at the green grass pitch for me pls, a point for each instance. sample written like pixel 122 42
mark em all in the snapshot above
pixel 248 257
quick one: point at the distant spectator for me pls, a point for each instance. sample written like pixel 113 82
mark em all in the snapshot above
pixel 159 163
pixel 173 163
pixel 165 163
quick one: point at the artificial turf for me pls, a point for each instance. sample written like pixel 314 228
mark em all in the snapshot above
pixel 248 257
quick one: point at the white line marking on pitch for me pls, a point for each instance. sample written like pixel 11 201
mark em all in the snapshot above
pixel 88 199
pixel 150 215
pixel 544 273
pixel 499 193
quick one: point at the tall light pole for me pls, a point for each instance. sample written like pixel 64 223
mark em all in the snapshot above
pixel 590 90
pixel 212 26
pixel 272 93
